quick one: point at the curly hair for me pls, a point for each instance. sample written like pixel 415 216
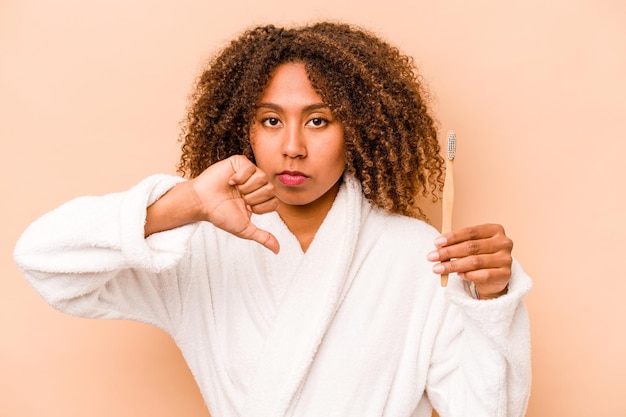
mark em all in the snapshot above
pixel 373 89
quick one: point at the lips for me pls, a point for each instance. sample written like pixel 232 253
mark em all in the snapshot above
pixel 292 178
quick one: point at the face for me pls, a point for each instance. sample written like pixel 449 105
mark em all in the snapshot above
pixel 297 142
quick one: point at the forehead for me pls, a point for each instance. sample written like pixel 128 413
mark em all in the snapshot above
pixel 290 84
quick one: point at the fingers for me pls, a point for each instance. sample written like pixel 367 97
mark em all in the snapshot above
pixel 466 234
pixel 258 194
pixel 479 253
pixel 481 268
pixel 253 185
pixel 472 241
pixel 243 170
pixel 473 249
pixel 230 191
pixel 262 200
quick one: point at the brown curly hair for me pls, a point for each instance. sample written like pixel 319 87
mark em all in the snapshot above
pixel 373 89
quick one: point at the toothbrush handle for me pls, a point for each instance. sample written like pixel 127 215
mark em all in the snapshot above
pixel 447 204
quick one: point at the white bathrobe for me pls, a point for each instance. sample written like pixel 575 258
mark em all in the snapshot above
pixel 356 326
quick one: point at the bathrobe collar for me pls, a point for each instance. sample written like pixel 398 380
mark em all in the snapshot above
pixel 312 297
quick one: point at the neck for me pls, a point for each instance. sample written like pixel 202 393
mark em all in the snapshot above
pixel 305 220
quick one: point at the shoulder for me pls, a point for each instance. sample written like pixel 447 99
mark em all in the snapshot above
pixel 400 231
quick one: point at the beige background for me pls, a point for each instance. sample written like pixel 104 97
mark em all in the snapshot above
pixel 91 94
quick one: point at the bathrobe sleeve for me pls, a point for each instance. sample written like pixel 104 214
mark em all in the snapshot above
pixel 480 364
pixel 89 257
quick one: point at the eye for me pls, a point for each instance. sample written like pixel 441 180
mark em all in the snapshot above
pixel 271 122
pixel 317 122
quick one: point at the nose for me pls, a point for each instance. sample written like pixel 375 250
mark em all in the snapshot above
pixel 294 144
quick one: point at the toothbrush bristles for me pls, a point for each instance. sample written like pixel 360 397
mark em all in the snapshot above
pixel 451 145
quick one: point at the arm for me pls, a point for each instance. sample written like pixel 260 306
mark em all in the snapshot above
pixel 225 194
pixel 480 364
pixel 481 358
pixel 91 257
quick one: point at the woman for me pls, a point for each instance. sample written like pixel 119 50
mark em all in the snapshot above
pixel 310 142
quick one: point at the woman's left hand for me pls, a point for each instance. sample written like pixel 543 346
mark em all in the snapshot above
pixel 481 254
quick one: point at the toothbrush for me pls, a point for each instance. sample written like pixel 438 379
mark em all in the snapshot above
pixel 448 193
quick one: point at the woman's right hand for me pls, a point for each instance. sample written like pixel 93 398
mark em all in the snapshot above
pixel 225 194
pixel 229 192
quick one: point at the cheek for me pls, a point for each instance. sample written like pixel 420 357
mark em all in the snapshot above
pixel 256 145
pixel 251 138
pixel 263 153
pixel 337 153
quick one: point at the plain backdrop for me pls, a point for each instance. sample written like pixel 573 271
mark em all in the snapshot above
pixel 91 96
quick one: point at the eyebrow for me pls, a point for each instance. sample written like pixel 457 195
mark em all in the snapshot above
pixel 277 108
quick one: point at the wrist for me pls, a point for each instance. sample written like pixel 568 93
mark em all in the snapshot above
pixel 472 290
pixel 504 291
pixel 177 207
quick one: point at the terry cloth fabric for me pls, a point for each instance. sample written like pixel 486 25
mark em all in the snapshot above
pixel 355 326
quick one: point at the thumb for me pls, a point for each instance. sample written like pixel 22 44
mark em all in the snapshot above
pixel 263 237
